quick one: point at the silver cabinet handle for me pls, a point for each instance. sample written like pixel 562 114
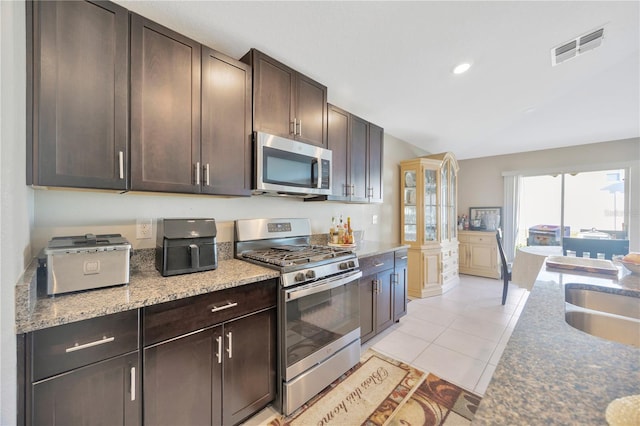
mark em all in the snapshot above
pixel 294 126
pixel 78 347
pixel 133 383
pixel 404 257
pixel 377 265
pixel 121 164
pixel 230 348
pixel 206 174
pixel 353 190
pixel 198 173
pixel 219 354
pixel 223 307
pixel 300 126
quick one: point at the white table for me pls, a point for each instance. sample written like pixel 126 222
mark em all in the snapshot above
pixel 529 261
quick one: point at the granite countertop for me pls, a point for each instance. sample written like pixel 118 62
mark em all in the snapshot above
pixel 372 248
pixel 146 287
pixel 552 373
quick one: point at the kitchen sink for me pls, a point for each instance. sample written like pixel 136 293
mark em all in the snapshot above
pixel 617 304
pixel 614 317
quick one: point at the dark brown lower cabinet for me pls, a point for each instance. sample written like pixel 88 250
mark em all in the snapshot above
pixel 376 296
pixel 219 375
pixel 104 393
pixel 400 282
pixel 383 291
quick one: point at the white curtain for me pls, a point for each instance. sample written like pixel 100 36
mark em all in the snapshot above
pixel 512 185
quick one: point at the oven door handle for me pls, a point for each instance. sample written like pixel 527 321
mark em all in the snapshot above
pixel 322 285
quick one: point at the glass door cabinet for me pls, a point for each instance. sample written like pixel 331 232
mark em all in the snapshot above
pixel 428 222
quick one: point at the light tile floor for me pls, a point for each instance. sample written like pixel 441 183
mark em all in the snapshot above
pixel 458 336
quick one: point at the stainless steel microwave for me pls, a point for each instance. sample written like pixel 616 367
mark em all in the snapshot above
pixel 287 167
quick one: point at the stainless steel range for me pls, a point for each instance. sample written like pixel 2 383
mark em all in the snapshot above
pixel 318 304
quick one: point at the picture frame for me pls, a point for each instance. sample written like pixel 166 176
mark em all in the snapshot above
pixel 485 218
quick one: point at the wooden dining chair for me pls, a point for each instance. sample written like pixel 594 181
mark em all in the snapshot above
pixel 506 267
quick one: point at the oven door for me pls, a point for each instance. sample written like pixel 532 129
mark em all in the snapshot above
pixel 319 319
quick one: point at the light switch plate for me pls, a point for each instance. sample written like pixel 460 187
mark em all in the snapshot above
pixel 144 228
pixel 374 219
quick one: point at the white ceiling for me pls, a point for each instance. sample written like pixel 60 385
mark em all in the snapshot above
pixel 390 62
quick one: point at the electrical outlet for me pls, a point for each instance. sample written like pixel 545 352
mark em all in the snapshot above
pixel 374 219
pixel 144 229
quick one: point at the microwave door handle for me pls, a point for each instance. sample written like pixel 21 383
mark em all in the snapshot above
pixel 195 255
pixel 315 171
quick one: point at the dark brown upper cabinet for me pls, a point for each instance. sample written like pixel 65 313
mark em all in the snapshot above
pixel 165 109
pixel 375 153
pixel 190 115
pixel 226 125
pixel 285 102
pixel 77 94
pixel 357 148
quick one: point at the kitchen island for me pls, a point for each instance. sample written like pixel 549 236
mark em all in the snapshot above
pixel 552 373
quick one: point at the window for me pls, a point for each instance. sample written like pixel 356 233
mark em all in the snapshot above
pixel 593 205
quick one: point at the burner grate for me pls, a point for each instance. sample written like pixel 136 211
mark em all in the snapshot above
pixel 284 256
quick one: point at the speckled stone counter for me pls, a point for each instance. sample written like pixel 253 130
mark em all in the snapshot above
pixel 372 248
pixel 552 373
pixel 146 287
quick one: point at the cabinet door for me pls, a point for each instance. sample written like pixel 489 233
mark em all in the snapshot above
pixel 80 95
pixel 374 168
pixel 358 155
pixel 226 125
pixel 249 365
pixel 165 109
pixel 337 142
pixel 400 287
pixel 367 300
pixel 104 393
pixel 182 380
pixel 311 111
pixel 483 256
pixel 273 88
pixel 463 256
pixel 384 300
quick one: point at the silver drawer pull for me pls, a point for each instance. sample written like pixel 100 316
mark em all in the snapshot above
pixel 219 354
pixel 133 383
pixel 230 348
pixel 223 307
pixel 404 258
pixel 377 265
pixel 120 164
pixel 78 347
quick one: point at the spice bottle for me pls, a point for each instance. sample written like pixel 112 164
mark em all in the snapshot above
pixel 341 231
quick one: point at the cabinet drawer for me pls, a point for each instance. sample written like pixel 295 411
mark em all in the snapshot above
pixel 65 347
pixel 401 256
pixel 377 263
pixel 484 239
pixel 172 319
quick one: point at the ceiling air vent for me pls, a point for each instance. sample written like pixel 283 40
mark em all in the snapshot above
pixel 577 46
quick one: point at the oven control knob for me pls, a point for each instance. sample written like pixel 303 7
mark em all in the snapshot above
pixel 344 265
pixel 299 276
pixel 310 274
pixel 352 264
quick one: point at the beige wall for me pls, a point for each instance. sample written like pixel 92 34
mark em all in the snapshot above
pixel 75 212
pixel 481 180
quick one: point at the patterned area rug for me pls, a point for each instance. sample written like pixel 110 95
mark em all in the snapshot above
pixel 382 391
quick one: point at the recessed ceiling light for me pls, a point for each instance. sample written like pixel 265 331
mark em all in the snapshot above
pixel 464 67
